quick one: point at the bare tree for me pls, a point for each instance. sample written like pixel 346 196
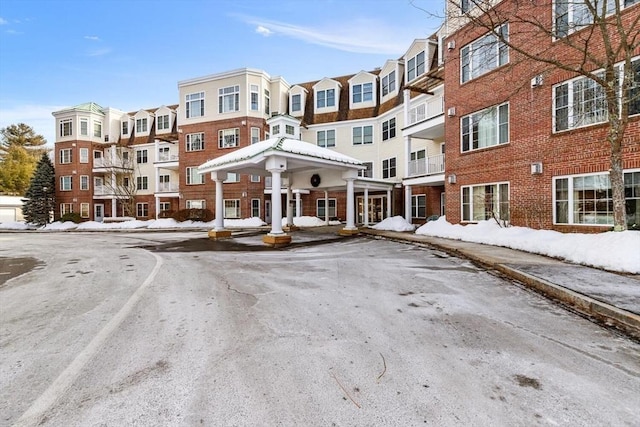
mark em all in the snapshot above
pixel 597 38
pixel 119 177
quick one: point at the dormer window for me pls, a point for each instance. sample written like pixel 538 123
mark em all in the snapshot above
pixel 415 66
pixel 296 103
pixel 289 130
pixel 125 128
pixel 141 125
pixel 362 93
pixel 389 83
pixel 326 98
pixel 162 122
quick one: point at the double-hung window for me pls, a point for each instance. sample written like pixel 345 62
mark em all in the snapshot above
pixel 255 135
pixel 326 138
pixel 322 211
pixel 579 102
pixel 84 127
pixel 482 202
pixel 66 127
pixel 193 177
pixel 573 15
pixel 296 103
pixel 142 183
pixel 255 98
pixel 195 105
pixel 255 208
pixel 389 129
pixel 415 66
pixel 65 156
pixel 142 209
pixel 142 156
pixel 267 102
pixel 197 204
pixel 389 83
pixel 484 54
pixel 141 125
pixel 162 122
pixel 228 138
pixel 84 182
pixel 389 168
pixel 485 128
pixel 419 206
pixel 232 208
pixel 362 135
pixel 97 129
pixel 125 127
pixel 326 98
pixel 66 183
pixel 195 142
pixel 229 99
pixel 362 93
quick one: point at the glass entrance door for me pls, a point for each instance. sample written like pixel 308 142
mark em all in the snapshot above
pixel 377 208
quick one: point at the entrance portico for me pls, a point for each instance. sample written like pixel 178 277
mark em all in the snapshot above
pixel 305 165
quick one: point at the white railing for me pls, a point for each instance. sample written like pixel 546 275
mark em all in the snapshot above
pixel 167 157
pixel 164 187
pixel 427 166
pixel 109 164
pixel 426 110
pixel 106 190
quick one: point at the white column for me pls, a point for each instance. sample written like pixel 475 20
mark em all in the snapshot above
pixel 366 207
pixel 407 203
pixel 351 224
pixel 157 206
pixel 388 203
pixel 218 178
pixel 326 207
pixel 298 204
pixel 276 202
pixel 114 200
pixel 289 207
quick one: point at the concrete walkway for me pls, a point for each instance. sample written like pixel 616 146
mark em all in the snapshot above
pixel 607 297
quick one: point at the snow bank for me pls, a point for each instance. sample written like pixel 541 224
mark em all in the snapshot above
pixel 617 251
pixel 396 223
pixel 308 221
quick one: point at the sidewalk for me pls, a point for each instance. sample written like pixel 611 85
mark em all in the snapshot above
pixel 609 298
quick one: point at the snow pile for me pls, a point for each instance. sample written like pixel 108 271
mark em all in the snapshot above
pixel 616 251
pixel 396 223
pixel 308 221
pixel 12 225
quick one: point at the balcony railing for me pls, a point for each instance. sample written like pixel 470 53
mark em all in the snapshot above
pixel 428 166
pixel 167 157
pixel 431 108
pixel 106 190
pixel 164 187
pixel 112 164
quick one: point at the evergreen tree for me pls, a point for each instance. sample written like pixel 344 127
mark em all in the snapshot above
pixel 40 195
pixel 20 149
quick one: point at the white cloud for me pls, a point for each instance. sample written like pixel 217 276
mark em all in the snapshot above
pixel 94 38
pixel 99 52
pixel 358 36
pixel 3 21
pixel 263 30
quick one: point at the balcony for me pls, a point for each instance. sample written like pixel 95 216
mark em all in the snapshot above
pixel 166 187
pixel 102 165
pixel 106 192
pixel 167 161
pixel 426 120
pixel 427 166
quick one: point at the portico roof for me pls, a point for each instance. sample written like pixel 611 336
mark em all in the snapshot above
pixel 300 155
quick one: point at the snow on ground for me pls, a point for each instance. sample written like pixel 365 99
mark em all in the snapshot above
pixel 616 251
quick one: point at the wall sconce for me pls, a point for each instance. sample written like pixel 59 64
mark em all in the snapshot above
pixel 451 111
pixel 452 178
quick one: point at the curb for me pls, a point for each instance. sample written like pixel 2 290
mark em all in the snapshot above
pixel 600 312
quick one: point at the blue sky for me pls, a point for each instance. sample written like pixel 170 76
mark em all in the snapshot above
pixel 130 54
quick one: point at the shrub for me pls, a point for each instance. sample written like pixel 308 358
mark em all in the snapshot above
pixel 204 215
pixel 166 214
pixel 71 216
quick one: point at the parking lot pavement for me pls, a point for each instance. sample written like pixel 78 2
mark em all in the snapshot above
pixel 166 329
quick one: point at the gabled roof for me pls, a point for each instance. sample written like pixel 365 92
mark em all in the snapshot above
pixel 285 147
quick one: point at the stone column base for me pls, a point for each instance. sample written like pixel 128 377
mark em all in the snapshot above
pixel 219 234
pixel 289 228
pixel 348 232
pixel 274 240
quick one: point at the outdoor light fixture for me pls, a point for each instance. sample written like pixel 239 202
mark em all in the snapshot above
pixel 452 178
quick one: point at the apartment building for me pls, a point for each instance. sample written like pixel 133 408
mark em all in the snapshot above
pixel 526 142
pixel 112 163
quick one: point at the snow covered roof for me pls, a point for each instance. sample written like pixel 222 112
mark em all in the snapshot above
pixel 285 147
